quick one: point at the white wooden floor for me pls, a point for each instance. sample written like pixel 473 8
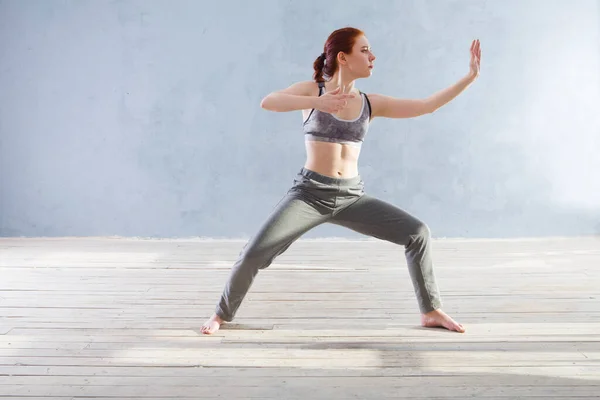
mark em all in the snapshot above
pixel 119 319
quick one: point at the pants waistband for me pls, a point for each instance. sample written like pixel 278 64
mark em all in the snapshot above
pixel 329 180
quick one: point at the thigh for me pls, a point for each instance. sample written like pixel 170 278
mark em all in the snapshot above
pixel 290 218
pixel 380 219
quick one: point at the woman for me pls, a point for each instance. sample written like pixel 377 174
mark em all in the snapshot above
pixel 328 188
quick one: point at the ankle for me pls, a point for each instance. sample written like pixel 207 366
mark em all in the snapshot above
pixel 216 317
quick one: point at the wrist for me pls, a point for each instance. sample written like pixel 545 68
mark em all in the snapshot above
pixel 314 101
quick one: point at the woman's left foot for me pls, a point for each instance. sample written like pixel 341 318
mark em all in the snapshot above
pixel 438 318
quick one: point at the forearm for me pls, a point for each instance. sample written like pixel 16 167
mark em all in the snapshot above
pixel 281 102
pixel 444 96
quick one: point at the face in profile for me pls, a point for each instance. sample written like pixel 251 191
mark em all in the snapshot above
pixel 360 61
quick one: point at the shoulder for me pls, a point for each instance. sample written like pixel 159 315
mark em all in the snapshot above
pixel 302 88
pixel 376 99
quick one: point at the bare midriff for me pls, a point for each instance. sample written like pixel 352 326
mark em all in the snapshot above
pixel 332 159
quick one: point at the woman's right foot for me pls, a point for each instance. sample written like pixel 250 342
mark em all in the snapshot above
pixel 212 325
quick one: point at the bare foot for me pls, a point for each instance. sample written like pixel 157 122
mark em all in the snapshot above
pixel 212 325
pixel 438 318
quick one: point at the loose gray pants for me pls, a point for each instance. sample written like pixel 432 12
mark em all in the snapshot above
pixel 315 199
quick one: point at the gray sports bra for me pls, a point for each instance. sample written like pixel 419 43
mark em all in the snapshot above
pixel 326 127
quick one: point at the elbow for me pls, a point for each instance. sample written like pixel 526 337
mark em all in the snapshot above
pixel 267 103
pixel 264 103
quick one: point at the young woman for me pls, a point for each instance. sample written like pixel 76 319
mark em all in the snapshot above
pixel 329 188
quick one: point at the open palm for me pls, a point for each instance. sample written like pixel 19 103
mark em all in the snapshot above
pixel 475 57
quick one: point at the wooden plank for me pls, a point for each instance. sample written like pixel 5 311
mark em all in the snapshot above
pixel 3 396
pixel 387 330
pixel 314 396
pixel 365 359
pixel 308 322
pixel 325 356
pixel 583 372
pixel 448 381
pixel 244 337
pixel 187 298
pixel 299 388
pixel 583 304
pixel 299 396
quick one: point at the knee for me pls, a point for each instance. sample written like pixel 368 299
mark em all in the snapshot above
pixel 421 231
pixel 261 253
pixel 252 253
pixel 256 256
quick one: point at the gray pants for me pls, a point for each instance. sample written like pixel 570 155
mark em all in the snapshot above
pixel 315 199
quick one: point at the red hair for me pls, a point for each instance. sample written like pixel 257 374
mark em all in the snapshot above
pixel 340 40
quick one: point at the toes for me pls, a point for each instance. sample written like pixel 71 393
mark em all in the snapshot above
pixel 209 328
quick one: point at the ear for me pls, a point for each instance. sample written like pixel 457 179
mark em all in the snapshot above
pixel 341 58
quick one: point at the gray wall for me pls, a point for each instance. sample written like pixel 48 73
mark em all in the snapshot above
pixel 142 118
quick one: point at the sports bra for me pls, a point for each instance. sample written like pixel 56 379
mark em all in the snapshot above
pixel 326 127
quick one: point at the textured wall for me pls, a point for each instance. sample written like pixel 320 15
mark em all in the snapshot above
pixel 142 118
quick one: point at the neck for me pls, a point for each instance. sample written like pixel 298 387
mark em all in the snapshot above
pixel 343 80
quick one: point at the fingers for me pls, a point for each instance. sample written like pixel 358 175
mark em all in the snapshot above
pixel 476 50
pixel 340 105
pixel 337 106
pixel 336 100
